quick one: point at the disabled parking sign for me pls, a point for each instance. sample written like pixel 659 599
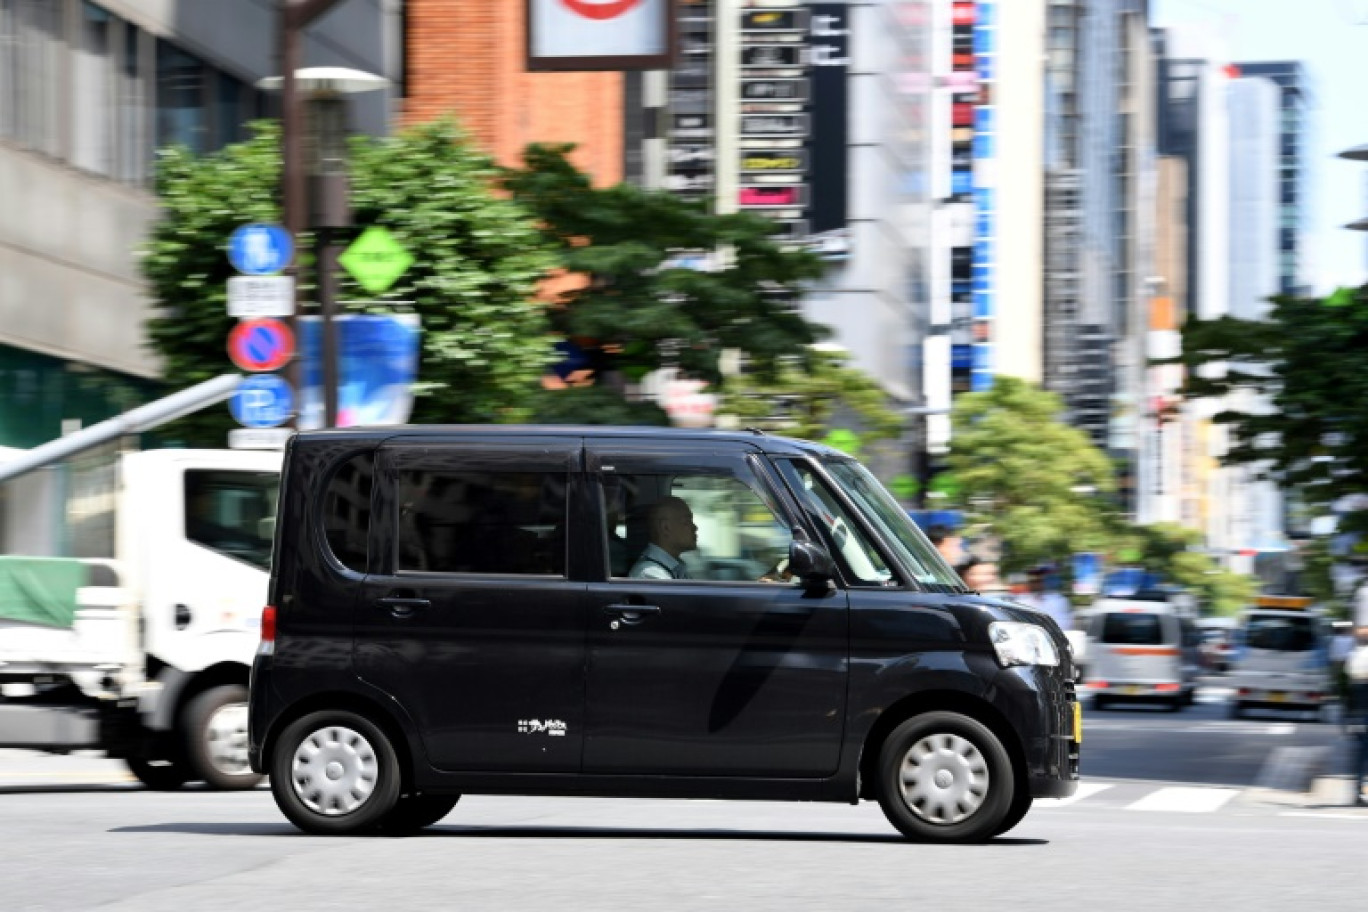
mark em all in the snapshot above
pixel 260 249
pixel 261 402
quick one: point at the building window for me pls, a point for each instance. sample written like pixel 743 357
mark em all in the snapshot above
pixel 132 131
pixel 92 93
pixel 181 107
pixel 31 49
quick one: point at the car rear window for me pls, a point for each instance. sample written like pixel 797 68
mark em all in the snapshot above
pixel 1132 629
pixel 1281 633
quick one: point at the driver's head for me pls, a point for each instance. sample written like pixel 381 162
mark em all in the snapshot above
pixel 672 526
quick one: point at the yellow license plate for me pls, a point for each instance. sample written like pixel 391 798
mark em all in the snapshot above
pixel 1277 696
pixel 1132 689
pixel 1078 722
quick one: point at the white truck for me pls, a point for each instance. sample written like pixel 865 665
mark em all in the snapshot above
pixel 1281 657
pixel 145 654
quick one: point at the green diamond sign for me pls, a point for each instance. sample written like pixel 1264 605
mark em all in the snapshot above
pixel 375 259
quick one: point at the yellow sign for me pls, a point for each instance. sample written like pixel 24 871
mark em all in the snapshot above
pixel 771 163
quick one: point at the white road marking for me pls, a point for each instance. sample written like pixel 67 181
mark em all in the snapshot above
pixel 1323 815
pixel 1085 790
pixel 1185 800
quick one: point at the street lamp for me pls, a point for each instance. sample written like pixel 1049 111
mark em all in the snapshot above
pixel 324 91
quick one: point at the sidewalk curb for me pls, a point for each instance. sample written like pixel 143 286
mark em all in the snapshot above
pixel 1326 792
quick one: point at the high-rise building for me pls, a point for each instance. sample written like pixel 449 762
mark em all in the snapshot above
pixel 816 115
pixel 89 90
pixel 1294 176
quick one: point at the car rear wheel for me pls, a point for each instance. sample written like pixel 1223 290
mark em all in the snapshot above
pixel 1021 805
pixel 412 813
pixel 944 777
pixel 1236 710
pixel 334 773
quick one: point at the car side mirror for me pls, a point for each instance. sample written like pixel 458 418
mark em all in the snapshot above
pixel 809 562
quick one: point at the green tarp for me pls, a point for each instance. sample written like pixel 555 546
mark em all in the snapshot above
pixel 41 590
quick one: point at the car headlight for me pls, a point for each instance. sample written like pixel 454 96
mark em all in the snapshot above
pixel 1017 643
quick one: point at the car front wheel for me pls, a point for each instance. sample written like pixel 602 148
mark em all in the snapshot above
pixel 944 777
pixel 334 773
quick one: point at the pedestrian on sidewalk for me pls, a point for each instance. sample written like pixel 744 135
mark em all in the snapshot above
pixel 1356 712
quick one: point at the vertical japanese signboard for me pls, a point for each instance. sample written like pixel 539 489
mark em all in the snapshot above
pixel 793 119
pixel 692 141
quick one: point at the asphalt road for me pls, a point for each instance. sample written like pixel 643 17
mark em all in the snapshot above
pixel 1197 830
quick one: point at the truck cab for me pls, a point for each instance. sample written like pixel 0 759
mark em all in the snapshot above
pixel 147 651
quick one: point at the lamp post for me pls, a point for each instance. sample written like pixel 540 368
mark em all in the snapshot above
pixel 320 153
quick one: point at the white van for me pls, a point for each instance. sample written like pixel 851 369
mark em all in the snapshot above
pixel 1141 651
pixel 1282 657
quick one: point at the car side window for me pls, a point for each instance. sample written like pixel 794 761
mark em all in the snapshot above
pixel 486 522
pixel 705 526
pixel 347 511
pixel 849 545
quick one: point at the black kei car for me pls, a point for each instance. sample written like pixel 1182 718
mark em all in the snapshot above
pixel 486 610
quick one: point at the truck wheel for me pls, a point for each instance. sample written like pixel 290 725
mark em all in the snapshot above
pixel 412 813
pixel 215 727
pixel 944 777
pixel 334 773
pixel 159 775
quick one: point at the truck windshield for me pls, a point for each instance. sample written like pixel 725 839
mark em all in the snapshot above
pixel 895 526
pixel 232 512
pixel 1281 633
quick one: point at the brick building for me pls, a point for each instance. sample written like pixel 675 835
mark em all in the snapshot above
pixel 468 58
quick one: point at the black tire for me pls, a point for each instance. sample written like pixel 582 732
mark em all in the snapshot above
pixel 1176 704
pixel 1236 710
pixel 347 776
pixel 961 779
pixel 1021 805
pixel 1099 701
pixel 412 813
pixel 158 774
pixel 214 726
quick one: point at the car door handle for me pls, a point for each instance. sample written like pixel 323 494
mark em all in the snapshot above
pixel 402 607
pixel 629 614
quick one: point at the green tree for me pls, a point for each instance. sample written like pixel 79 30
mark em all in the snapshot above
pixel 1172 552
pixel 635 312
pixel 1301 415
pixel 1032 481
pixel 808 395
pixel 478 259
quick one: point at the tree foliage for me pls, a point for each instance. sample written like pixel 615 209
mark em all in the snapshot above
pixel 635 312
pixel 478 259
pixel 807 397
pixel 1299 409
pixel 1172 552
pixel 1035 483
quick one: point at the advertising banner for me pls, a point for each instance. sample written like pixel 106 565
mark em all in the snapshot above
pixel 582 35
pixel 377 364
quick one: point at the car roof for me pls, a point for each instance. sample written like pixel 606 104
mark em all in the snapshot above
pixel 752 437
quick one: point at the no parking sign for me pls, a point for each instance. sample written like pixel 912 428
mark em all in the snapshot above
pixel 261 345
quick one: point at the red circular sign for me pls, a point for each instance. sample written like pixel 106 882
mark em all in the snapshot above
pixel 261 345
pixel 604 9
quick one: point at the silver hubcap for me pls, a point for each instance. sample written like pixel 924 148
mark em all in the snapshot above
pixel 334 771
pixel 944 779
pixel 226 736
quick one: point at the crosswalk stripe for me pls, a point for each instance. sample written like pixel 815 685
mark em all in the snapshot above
pixel 1185 800
pixel 1085 790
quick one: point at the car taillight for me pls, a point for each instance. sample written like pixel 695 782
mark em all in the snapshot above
pixel 1098 684
pixel 268 630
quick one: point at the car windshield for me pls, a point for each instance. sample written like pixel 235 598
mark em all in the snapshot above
pixel 1132 629
pixel 1281 633
pixel 896 527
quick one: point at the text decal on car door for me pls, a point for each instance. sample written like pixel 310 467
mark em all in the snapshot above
pixel 552 727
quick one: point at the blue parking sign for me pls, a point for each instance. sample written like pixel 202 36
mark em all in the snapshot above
pixel 262 401
pixel 260 249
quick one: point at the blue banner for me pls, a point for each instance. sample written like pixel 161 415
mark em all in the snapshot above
pixel 377 364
